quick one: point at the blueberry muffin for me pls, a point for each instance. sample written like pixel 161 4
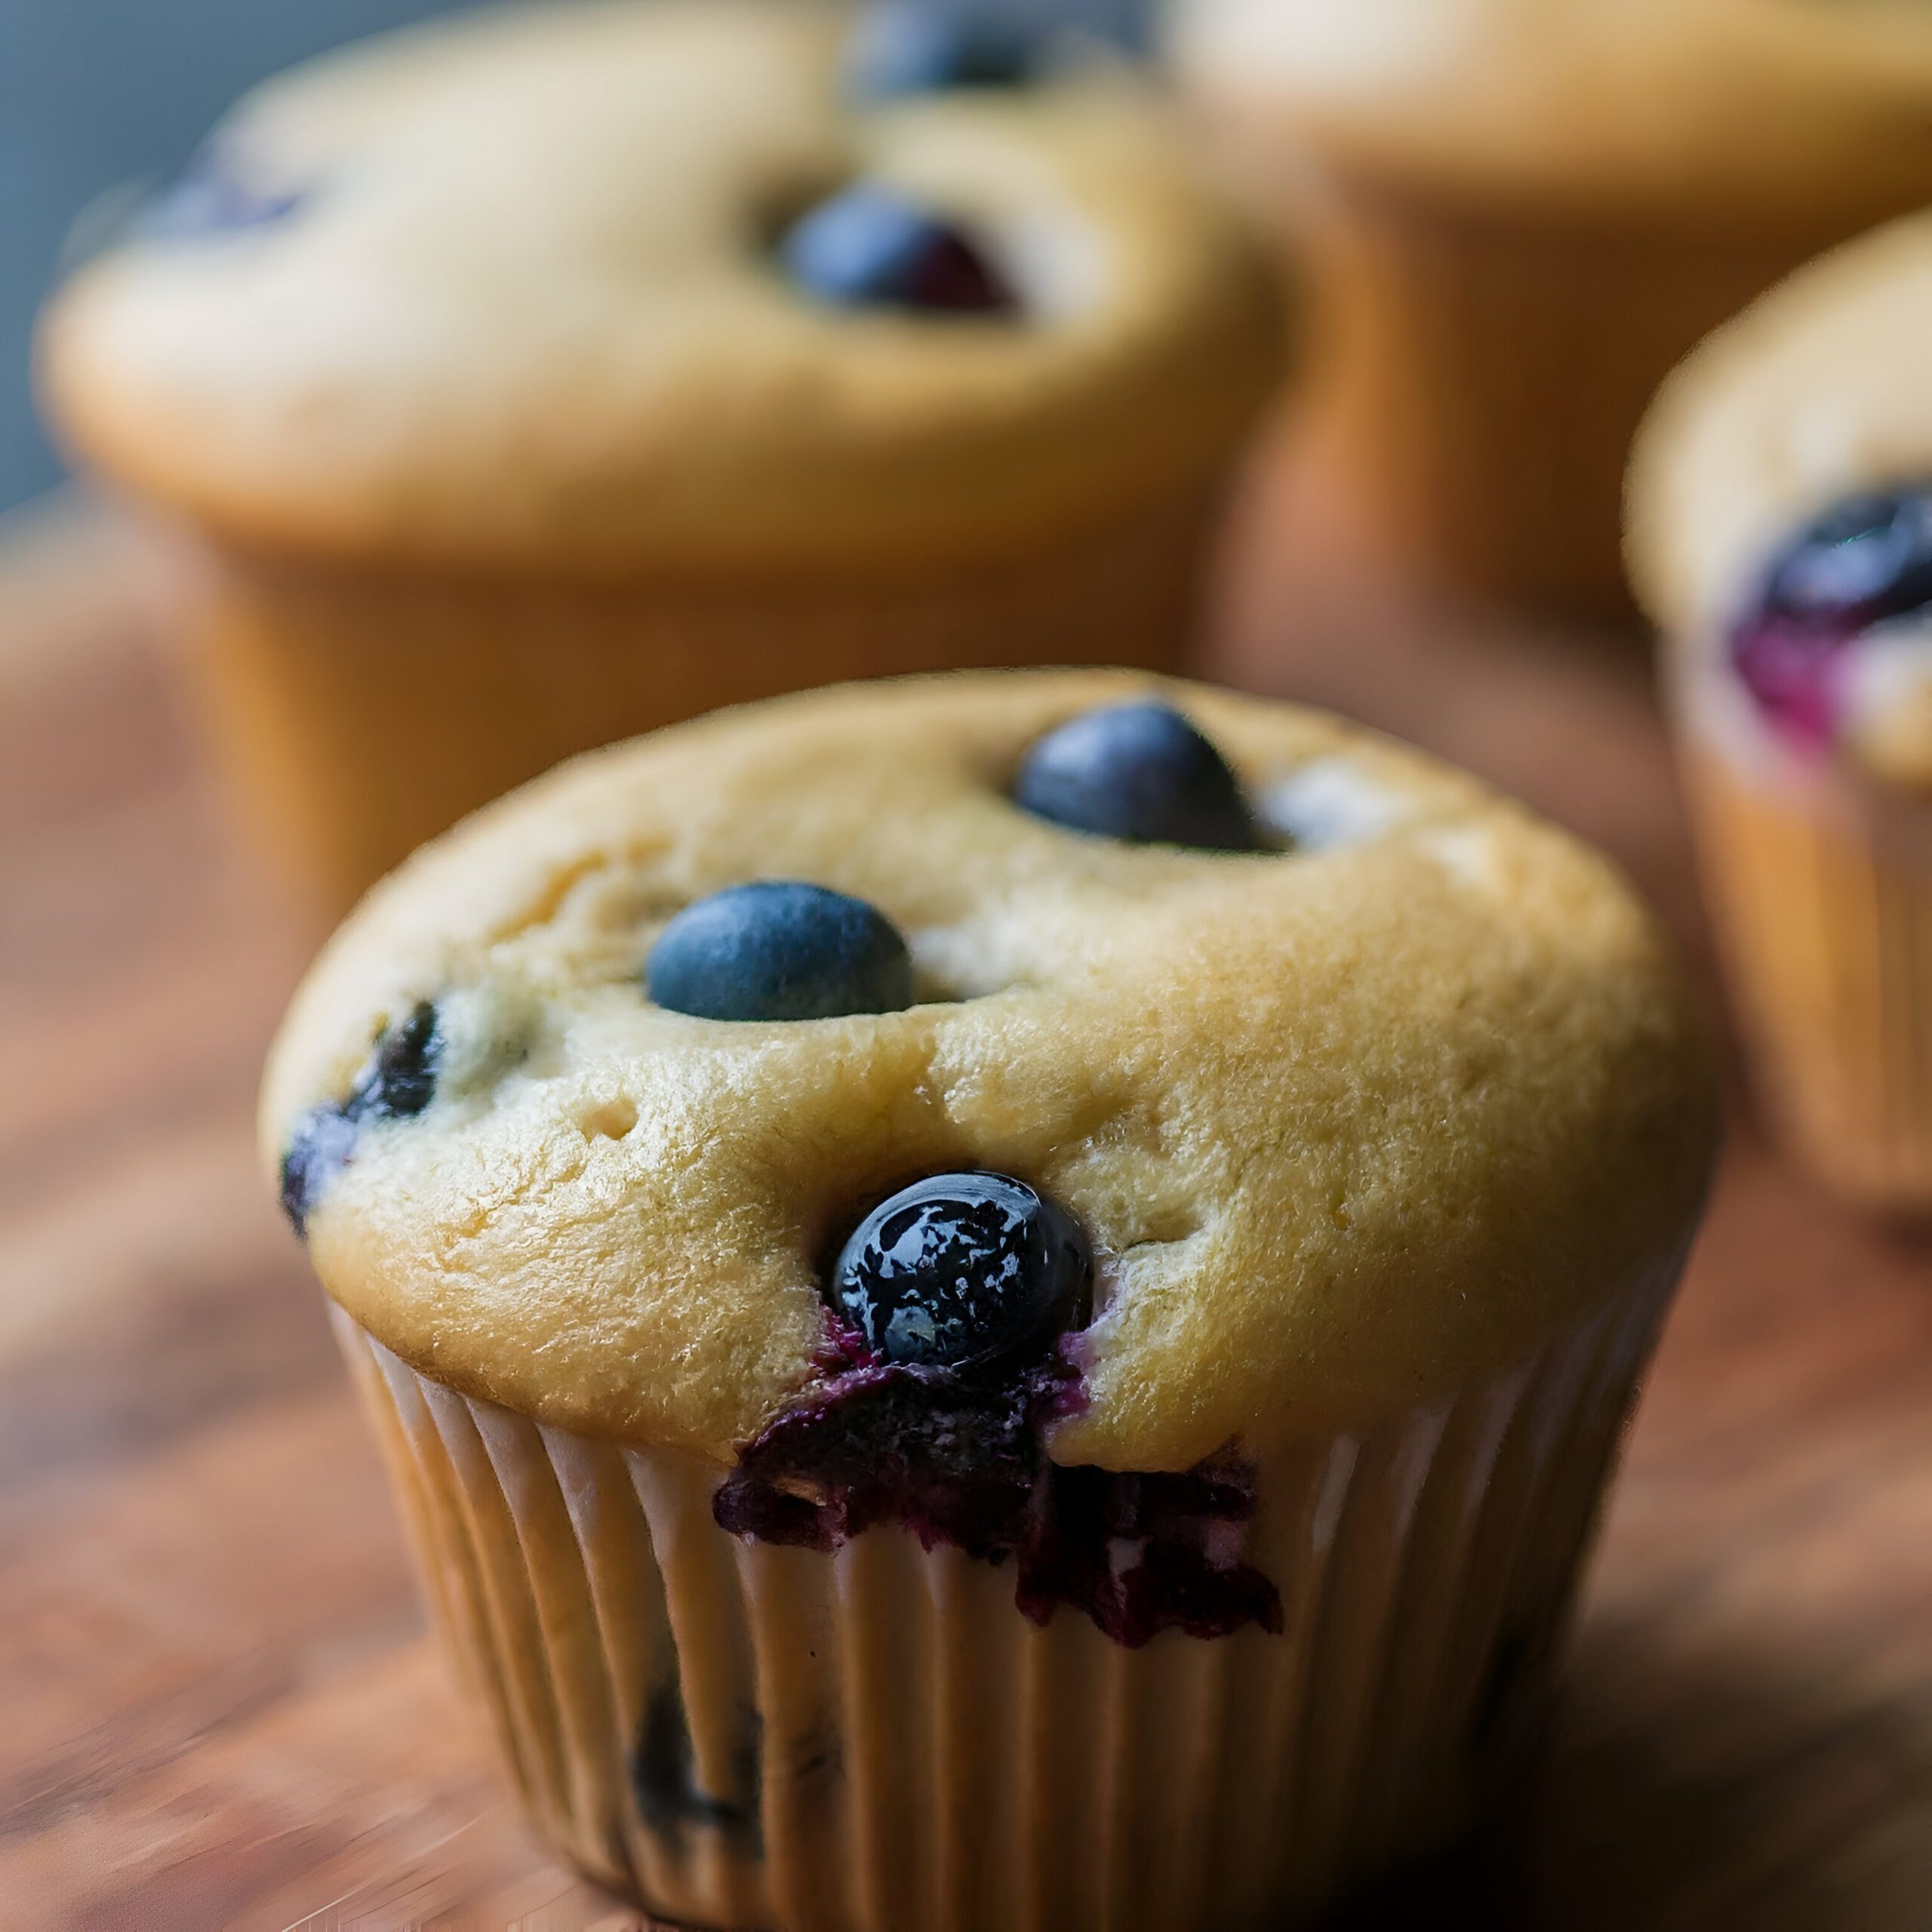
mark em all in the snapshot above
pixel 526 381
pixel 998 1300
pixel 1524 212
pixel 1781 533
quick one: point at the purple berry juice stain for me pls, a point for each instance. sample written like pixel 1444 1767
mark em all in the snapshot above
pixel 960 1460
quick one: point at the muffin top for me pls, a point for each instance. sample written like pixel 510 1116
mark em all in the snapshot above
pixel 1384 1101
pixel 1789 111
pixel 534 288
pixel 1780 506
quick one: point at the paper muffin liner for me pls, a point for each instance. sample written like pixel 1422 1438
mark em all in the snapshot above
pixel 362 711
pixel 877 1740
pixel 1822 892
pixel 1481 373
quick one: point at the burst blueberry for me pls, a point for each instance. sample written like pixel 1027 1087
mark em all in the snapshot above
pixel 961 1271
pixel 213 196
pixel 398 1082
pixel 923 47
pixel 780 949
pixel 1864 562
pixel 1140 772
pixel 871 246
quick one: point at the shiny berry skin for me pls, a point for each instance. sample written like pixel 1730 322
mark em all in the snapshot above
pixel 210 198
pixel 871 247
pixel 398 1083
pixel 780 949
pixel 960 1271
pixel 910 47
pixel 1140 772
pixel 1864 562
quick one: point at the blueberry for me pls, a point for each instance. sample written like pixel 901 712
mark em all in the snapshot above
pixel 1865 560
pixel 1141 772
pixel 871 247
pixel 906 46
pixel 961 1270
pixel 320 1145
pixel 780 950
pixel 398 1081
pixel 401 1079
pixel 211 197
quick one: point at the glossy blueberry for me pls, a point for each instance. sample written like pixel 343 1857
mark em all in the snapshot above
pixel 961 1270
pixel 1139 771
pixel 1863 562
pixel 212 197
pixel 780 949
pixel 398 1081
pixel 909 46
pixel 872 248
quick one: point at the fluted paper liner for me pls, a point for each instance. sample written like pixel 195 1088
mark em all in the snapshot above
pixel 1487 367
pixel 877 1740
pixel 362 710
pixel 1822 889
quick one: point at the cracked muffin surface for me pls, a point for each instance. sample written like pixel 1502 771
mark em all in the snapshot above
pixel 1345 1118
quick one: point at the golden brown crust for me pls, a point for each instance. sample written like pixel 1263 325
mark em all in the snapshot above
pixel 529 317
pixel 1345 1124
pixel 1793 113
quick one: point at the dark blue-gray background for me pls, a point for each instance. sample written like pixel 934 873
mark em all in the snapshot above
pixel 94 93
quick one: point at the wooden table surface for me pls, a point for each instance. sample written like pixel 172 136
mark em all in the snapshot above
pixel 218 1706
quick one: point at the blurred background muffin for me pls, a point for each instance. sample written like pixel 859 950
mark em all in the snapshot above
pixel 1781 531
pixel 1522 212
pixel 523 382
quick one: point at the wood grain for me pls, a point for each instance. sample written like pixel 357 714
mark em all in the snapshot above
pixel 217 1706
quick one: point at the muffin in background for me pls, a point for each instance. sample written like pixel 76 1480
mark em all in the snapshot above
pixel 1520 213
pixel 1001 1300
pixel 1780 532
pixel 521 382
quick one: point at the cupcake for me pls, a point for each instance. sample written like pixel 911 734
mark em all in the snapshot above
pixel 1781 533
pixel 1523 212
pixel 521 383
pixel 1001 1301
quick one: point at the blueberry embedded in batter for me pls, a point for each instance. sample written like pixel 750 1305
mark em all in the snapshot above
pixel 398 1081
pixel 911 46
pixel 1141 772
pixel 780 949
pixel 1865 562
pixel 948 1310
pixel 871 247
pixel 961 1270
